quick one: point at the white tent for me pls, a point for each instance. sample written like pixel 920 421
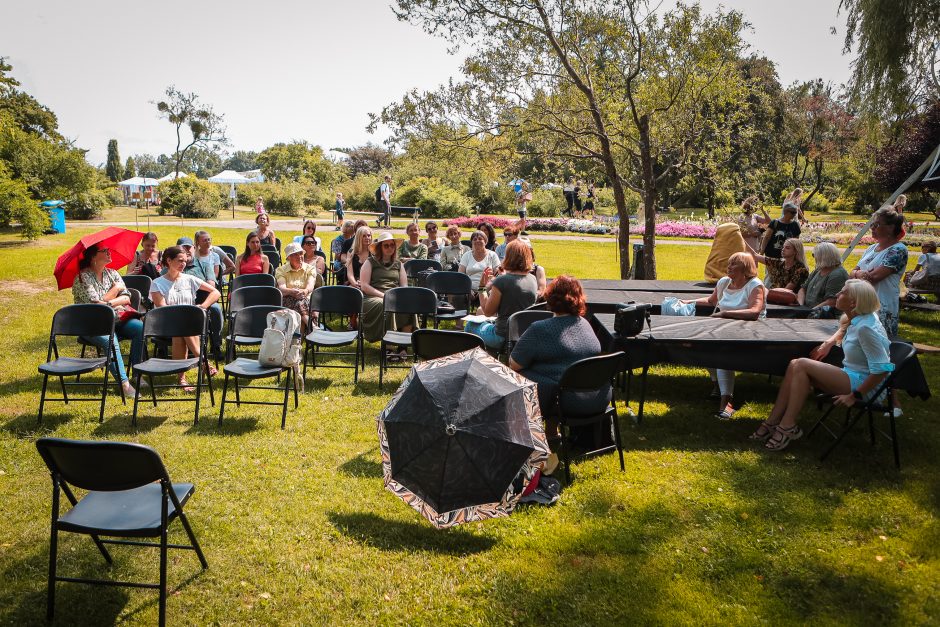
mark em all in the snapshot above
pixel 172 176
pixel 139 181
pixel 336 156
pixel 229 176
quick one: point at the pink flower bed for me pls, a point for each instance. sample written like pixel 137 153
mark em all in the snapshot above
pixel 695 230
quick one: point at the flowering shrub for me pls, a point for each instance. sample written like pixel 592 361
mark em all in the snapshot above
pixel 534 224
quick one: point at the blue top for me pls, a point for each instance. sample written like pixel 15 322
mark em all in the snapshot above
pixel 866 345
pixel 888 288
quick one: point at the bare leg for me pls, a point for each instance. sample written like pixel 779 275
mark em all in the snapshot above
pixel 802 375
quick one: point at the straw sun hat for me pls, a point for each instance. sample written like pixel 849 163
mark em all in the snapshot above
pixel 384 236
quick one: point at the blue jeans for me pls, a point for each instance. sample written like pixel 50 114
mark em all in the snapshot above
pixel 486 330
pixel 132 330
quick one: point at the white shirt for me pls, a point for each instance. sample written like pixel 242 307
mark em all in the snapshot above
pixel 730 299
pixel 182 291
pixel 474 269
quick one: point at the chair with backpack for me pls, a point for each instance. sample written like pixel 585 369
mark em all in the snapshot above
pixel 342 301
pixel 129 495
pixel 279 352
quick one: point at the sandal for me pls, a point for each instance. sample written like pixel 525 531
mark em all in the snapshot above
pixel 211 370
pixel 764 431
pixel 726 413
pixel 782 437
pixel 185 385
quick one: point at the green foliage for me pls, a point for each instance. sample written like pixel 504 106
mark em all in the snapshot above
pixel 189 197
pixel 130 170
pixel 490 196
pixel 16 206
pixel 547 203
pixel 241 161
pixel 286 198
pixel 359 192
pixel 113 167
pixel 299 161
pixel 153 167
pixel 87 204
pixel 435 199
pixel 25 111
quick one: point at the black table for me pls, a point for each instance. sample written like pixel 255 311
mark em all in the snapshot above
pixel 671 287
pixel 761 346
pixel 606 301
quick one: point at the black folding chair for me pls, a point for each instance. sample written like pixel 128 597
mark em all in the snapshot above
pixel 415 266
pixel 454 284
pixel 171 322
pixel 417 301
pixel 130 495
pixel 592 374
pixel 434 343
pixel 246 334
pixel 881 402
pixel 255 295
pixel 141 283
pixel 136 303
pixel 274 258
pixel 341 301
pixel 277 244
pixel 253 280
pixel 269 248
pixel 251 321
pixel 519 322
pixel 87 320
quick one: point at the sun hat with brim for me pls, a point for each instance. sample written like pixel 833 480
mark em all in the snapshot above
pixel 384 236
pixel 292 249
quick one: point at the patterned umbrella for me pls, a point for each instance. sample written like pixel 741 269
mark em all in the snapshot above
pixel 461 438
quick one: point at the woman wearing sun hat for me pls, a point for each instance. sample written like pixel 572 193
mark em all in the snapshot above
pixel 297 280
pixel 382 271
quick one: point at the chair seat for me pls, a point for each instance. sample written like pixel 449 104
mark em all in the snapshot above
pixel 460 313
pixel 72 365
pixel 322 337
pixel 157 366
pixel 247 340
pixel 250 369
pixel 397 337
pixel 129 513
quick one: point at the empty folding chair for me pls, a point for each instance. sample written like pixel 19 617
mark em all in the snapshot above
pixel 456 285
pixel 251 296
pixel 413 267
pixel 417 301
pixel 342 301
pixel 434 343
pixel 130 495
pixel 141 283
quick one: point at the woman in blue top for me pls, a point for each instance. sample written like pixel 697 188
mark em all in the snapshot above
pixel 883 265
pixel 867 362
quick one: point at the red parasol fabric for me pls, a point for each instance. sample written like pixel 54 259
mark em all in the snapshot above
pixel 122 243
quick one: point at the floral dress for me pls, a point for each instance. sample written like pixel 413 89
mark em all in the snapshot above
pixel 781 276
pixel 888 288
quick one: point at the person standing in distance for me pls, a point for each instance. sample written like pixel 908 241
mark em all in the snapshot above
pixel 385 202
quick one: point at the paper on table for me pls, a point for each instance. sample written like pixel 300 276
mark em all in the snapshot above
pixel 478 318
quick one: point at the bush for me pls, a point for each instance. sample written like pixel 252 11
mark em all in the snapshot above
pixel 190 197
pixel 287 198
pixel 435 199
pixel 85 205
pixel 16 206
pixel 491 196
pixel 359 192
pixel 547 203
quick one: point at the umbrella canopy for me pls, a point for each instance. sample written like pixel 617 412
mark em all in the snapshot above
pixel 139 181
pixel 229 176
pixel 462 438
pixel 122 243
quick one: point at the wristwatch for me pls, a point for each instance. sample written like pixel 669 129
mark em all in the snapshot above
pixel 858 395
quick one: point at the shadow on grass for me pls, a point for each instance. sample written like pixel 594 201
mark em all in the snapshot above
pixel 394 535
pixel 209 425
pixel 26 426
pixel 363 465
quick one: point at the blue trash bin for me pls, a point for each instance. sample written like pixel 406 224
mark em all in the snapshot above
pixel 56 209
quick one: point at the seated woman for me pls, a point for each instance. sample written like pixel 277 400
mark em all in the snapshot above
pixel 790 271
pixel 548 347
pixel 820 289
pixel 97 283
pixel 490 233
pixel 453 251
pixel 510 233
pixel 478 263
pixel 178 288
pixel 296 280
pixel 514 290
pixel 264 231
pixel 738 296
pixel 929 262
pixel 413 248
pixel 309 230
pixel 252 261
pixel 867 362
pixel 382 271
pixel 434 243
pixel 308 245
pixel 357 256
pixel 147 260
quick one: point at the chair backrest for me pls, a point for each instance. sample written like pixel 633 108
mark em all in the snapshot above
pixel 86 319
pixel 901 353
pixel 446 282
pixel 522 320
pixel 410 300
pixel 257 295
pixel 467 243
pixel 253 280
pixel 252 321
pixel 434 343
pixel 175 321
pixel 592 373
pixel 336 299
pixel 135 298
pixel 102 466
pixel 277 243
pixel 231 251
pixel 274 258
pixel 140 282
pixel 320 253
pixel 414 266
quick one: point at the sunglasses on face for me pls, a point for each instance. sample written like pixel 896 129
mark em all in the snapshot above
pixel 308 243
pixel 105 250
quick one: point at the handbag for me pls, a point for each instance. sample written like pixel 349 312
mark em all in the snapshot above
pixel 129 313
pixel 629 318
pixel 781 296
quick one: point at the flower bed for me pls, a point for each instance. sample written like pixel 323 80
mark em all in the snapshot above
pixel 534 224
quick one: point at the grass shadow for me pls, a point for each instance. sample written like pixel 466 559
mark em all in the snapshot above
pixel 363 465
pixel 394 535
pixel 121 425
pixel 25 425
pixel 209 425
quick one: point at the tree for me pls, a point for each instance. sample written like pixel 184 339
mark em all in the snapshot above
pixel 242 161
pixel 203 162
pixel 606 81
pixel 184 110
pixel 153 167
pixel 113 167
pixel 297 161
pixel 130 170
pixel 368 159
pixel 26 113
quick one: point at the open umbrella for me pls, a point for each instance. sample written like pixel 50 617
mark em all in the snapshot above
pixel 461 438
pixel 122 243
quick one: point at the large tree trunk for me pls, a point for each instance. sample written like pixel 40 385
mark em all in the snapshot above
pixel 649 200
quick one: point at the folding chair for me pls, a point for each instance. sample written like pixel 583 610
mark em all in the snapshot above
pixel 130 495
pixel 456 284
pixel 415 266
pixel 589 375
pixel 90 320
pixel 343 301
pixel 251 321
pixel 519 322
pixel 881 402
pixel 171 322
pixel 247 335
pixel 136 301
pixel 418 301
pixel 274 258
pixel 141 283
pixel 277 244
pixel 255 295
pixel 434 343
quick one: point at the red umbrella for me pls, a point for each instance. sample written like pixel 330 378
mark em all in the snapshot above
pixel 122 243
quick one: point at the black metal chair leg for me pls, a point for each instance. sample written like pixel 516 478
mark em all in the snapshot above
pixel 53 549
pixel 42 397
pixel 639 416
pixel 224 392
pixel 192 540
pixel 286 396
pixel 615 424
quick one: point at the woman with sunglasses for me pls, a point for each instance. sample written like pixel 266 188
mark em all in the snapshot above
pixel 382 271
pixel 309 247
pixel 309 230
pixel 434 243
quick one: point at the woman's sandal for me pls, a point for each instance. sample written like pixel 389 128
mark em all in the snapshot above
pixel 782 437
pixel 185 385
pixel 764 431
pixel 726 413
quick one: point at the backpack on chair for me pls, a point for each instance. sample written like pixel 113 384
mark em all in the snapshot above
pixel 280 344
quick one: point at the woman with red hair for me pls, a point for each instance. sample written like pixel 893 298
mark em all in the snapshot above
pixel 548 347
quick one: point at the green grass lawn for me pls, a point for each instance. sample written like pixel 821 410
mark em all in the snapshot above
pixel 702 528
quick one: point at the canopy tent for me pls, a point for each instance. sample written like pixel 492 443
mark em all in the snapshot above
pixel 232 178
pixel 336 156
pixel 139 189
pixel 172 176
pixel 139 181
